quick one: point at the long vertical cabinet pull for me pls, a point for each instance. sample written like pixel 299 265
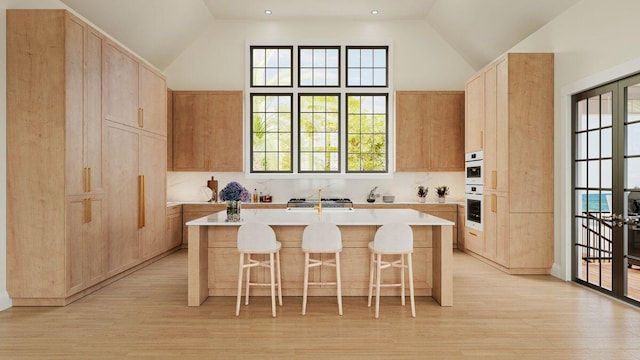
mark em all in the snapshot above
pixel 141 219
pixel 89 187
pixel 494 179
pixel 86 179
pixel 87 210
pixel 494 203
pixel 140 117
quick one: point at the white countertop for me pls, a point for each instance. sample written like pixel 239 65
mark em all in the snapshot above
pixel 298 218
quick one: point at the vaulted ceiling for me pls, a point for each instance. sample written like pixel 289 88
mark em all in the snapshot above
pixel 479 30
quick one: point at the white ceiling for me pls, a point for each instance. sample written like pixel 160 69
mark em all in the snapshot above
pixel 479 30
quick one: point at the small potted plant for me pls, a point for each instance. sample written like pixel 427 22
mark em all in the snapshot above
pixel 442 191
pixel 422 193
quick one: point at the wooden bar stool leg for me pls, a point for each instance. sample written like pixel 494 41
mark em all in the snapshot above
pixel 240 273
pixel 279 278
pixel 246 297
pixel 305 285
pixel 413 303
pixel 371 262
pixel 402 266
pixel 378 269
pixel 338 283
pixel 273 285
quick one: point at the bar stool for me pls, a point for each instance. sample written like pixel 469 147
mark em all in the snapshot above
pixel 391 239
pixel 259 239
pixel 321 238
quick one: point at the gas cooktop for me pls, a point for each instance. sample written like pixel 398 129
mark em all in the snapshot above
pixel 326 203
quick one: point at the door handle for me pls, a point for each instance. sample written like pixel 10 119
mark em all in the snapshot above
pixel 141 212
pixel 494 179
pixel 494 203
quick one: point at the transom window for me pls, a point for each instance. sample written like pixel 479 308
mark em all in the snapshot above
pixel 367 66
pixel 319 66
pixel 318 126
pixel 271 66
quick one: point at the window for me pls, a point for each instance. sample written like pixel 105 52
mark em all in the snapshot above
pixel 271 130
pixel 319 66
pixel 366 133
pixel 318 126
pixel 271 66
pixel 367 66
pixel 319 132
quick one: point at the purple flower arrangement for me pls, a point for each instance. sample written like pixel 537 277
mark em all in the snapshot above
pixel 234 192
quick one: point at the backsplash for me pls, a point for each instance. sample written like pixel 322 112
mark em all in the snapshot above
pixel 187 186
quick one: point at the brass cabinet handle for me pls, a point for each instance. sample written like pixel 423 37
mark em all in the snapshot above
pixel 140 117
pixel 494 179
pixel 141 219
pixel 86 179
pixel 472 233
pixel 89 187
pixel 494 203
pixel 87 211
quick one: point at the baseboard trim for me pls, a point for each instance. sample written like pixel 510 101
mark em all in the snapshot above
pixel 5 301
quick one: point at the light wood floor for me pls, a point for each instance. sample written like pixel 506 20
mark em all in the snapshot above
pixel 495 316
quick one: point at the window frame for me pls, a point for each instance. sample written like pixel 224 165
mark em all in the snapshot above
pixel 346 149
pixel 251 151
pixel 295 173
pixel 251 79
pixel 299 70
pixel 346 67
pixel 299 134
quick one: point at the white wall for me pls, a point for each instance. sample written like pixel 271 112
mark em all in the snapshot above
pixel 594 42
pixel 216 60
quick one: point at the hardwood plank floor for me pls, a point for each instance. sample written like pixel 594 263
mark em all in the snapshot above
pixel 495 316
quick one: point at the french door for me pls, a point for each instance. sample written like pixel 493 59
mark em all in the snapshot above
pixel 606 189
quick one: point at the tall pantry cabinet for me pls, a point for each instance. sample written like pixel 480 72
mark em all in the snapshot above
pixel 510 118
pixel 62 236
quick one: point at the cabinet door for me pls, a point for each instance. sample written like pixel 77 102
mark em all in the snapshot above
pixel 489 226
pixel 411 145
pixel 86 244
pixel 474 241
pixel 153 163
pixel 502 126
pixel 119 85
pixel 502 231
pixel 490 130
pixel 224 150
pixel 93 110
pixel 169 130
pixel 189 131
pixel 74 119
pixel 446 131
pixel 174 227
pixel 474 114
pixel 121 170
pixel 153 105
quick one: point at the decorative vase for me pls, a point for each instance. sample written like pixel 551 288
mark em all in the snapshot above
pixel 233 211
pixel 441 199
pixel 421 199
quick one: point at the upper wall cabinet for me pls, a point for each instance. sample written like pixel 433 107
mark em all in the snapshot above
pixel 429 131
pixel 133 94
pixel 207 131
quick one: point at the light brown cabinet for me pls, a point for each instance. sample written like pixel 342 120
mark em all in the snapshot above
pixel 474 113
pixel 72 176
pixel 55 195
pixel 515 110
pixel 169 130
pixel 174 225
pixel 207 131
pixel 429 131
pixel 133 94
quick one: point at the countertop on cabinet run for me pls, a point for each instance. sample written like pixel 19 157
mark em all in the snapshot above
pixel 338 217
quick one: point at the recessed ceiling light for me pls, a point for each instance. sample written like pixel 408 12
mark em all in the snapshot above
pixel 268 12
pixel 374 12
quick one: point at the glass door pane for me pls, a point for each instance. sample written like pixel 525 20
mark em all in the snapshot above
pixel 631 210
pixel 593 181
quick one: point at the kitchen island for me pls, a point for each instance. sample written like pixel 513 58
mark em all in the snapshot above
pixel 213 257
